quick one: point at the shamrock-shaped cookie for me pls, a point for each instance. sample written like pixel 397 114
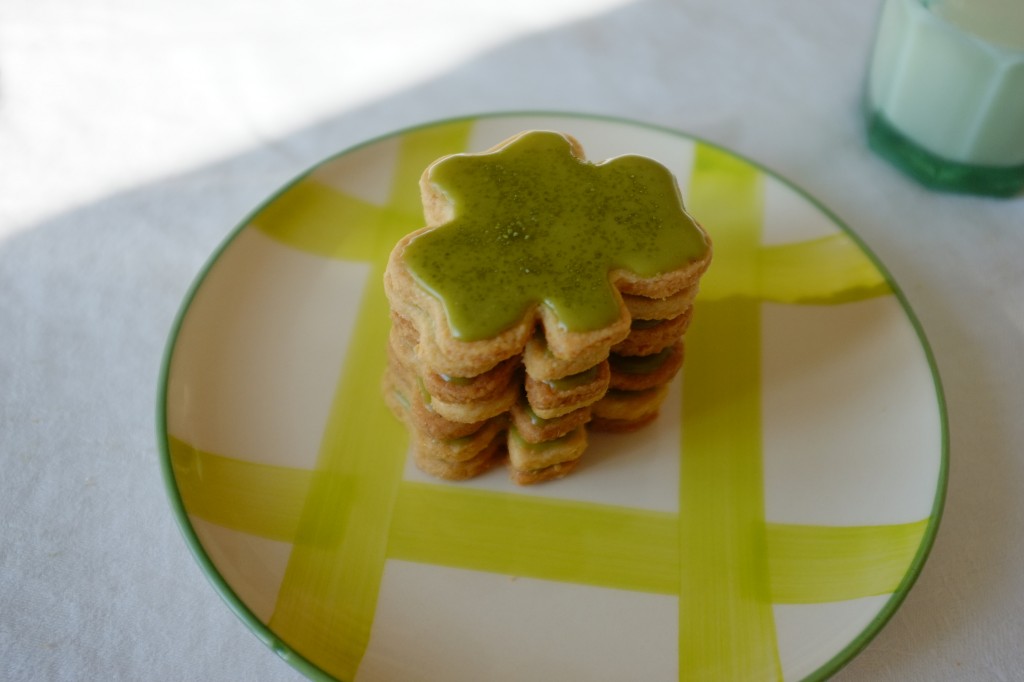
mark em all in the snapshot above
pixel 530 233
pixel 547 295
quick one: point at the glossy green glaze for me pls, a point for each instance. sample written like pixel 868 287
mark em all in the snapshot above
pixel 533 225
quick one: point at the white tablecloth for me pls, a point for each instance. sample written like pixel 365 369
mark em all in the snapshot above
pixel 135 134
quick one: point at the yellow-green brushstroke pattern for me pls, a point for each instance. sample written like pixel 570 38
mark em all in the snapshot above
pixel 623 548
pixel 307 216
pixel 238 495
pixel 726 625
pixel 561 540
pixel 328 597
pixel 818 564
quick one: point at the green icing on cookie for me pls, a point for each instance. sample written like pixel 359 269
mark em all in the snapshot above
pixel 640 364
pixel 535 225
pixel 572 381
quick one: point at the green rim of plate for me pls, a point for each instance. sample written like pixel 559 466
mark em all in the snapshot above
pixel 311 670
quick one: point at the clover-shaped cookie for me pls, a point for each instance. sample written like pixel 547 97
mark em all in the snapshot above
pixel 528 234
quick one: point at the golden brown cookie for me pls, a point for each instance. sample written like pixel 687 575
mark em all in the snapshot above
pixel 644 308
pixel 452 457
pixel 650 336
pixel 460 471
pixel 409 405
pixel 627 410
pixel 557 397
pixel 467 400
pixel 535 429
pixel 535 462
pixel 553 472
pixel 541 364
pixel 641 372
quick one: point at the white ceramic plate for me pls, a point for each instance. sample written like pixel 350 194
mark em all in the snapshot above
pixel 765 527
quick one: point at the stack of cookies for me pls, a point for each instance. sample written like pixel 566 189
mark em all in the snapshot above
pixel 458 422
pixel 643 364
pixel 547 295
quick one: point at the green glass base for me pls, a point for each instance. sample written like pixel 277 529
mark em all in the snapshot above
pixel 938 173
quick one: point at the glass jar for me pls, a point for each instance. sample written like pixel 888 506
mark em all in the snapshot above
pixel 945 93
